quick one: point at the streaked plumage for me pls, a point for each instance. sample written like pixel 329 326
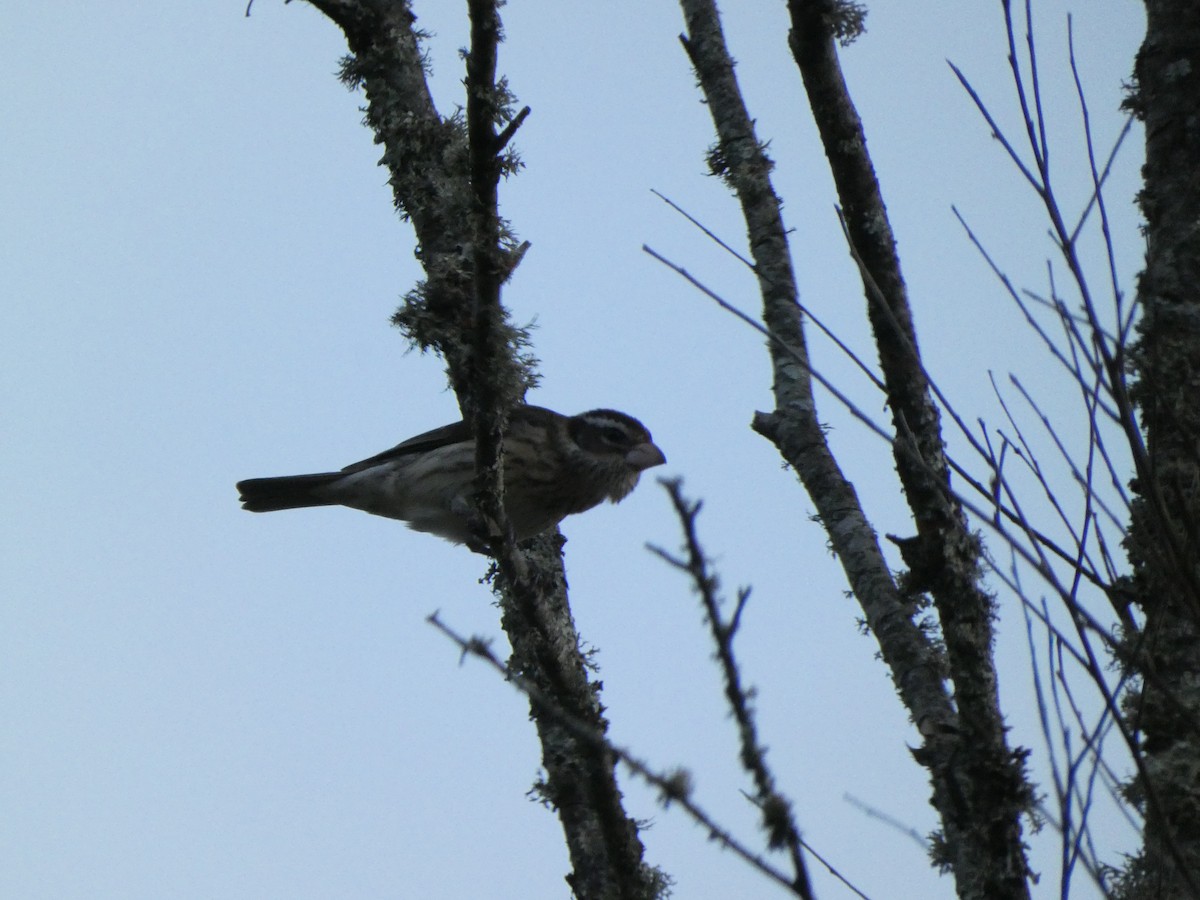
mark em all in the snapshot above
pixel 554 466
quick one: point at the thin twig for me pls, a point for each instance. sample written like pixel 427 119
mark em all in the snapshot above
pixel 674 787
pixel 846 349
pixel 873 812
pixel 777 817
pixel 850 406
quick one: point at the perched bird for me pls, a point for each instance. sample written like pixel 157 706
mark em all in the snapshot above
pixel 554 466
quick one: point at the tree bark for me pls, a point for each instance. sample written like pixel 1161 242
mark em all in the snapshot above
pixel 443 174
pixel 982 826
pixel 1164 534
pixel 979 787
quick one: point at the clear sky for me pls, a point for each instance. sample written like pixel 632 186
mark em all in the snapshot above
pixel 199 257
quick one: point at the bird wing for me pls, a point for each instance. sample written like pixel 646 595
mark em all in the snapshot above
pixel 458 433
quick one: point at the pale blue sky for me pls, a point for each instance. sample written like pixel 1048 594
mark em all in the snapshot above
pixel 199 257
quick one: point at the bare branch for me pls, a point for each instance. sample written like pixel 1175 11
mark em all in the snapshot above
pixel 846 349
pixel 674 786
pixel 777 818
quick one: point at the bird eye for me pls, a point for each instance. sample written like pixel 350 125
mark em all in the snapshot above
pixel 615 435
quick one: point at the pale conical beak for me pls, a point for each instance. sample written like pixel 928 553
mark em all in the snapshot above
pixel 644 456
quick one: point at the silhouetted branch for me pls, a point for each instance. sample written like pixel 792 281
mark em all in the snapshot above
pixel 777 818
pixel 674 787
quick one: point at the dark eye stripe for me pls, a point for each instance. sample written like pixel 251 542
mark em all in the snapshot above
pixel 615 434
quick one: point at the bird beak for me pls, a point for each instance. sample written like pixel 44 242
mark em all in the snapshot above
pixel 645 456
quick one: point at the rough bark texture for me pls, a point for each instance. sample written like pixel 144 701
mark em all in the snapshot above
pixel 983 839
pixel 606 851
pixel 1164 536
pixel 978 783
pixel 445 184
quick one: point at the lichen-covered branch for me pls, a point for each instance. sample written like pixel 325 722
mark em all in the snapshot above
pixel 916 661
pixel 428 159
pixel 983 828
pixel 674 787
pixel 793 425
pixel 444 173
pixel 1164 535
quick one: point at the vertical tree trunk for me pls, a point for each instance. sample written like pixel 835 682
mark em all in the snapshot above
pixel 1164 539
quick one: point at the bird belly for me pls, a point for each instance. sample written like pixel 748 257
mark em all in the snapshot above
pixel 427 503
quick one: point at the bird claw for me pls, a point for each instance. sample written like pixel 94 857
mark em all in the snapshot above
pixel 483 535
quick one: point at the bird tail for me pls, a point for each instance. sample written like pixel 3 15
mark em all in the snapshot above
pixel 286 492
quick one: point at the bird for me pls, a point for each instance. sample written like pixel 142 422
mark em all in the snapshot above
pixel 554 466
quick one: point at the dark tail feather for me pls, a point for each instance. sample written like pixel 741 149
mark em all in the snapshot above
pixel 286 492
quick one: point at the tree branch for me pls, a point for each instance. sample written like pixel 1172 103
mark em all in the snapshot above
pixel 444 174
pixel 983 822
pixel 777 818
